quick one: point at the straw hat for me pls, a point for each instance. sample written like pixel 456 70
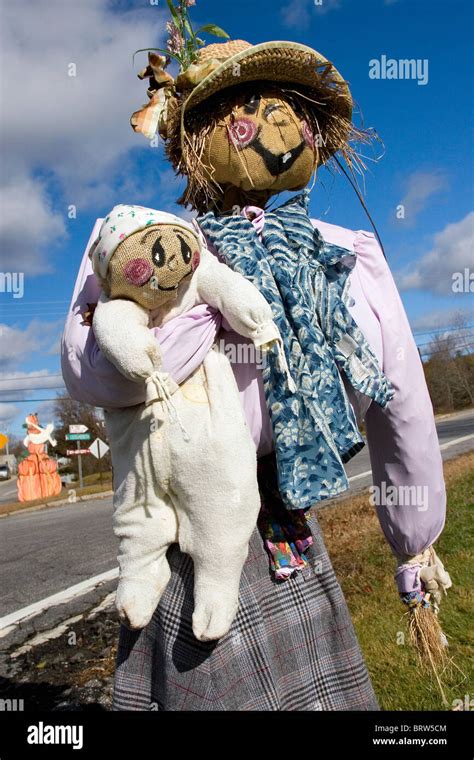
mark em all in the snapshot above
pixel 226 64
pixel 223 65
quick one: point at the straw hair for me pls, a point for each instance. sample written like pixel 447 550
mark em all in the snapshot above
pixel 185 147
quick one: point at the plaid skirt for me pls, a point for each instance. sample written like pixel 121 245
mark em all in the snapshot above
pixel 292 645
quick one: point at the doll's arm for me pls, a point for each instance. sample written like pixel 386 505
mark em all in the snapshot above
pixel 121 330
pixel 238 300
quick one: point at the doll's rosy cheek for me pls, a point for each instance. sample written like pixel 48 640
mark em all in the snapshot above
pixel 307 134
pixel 241 133
pixel 195 261
pixel 138 271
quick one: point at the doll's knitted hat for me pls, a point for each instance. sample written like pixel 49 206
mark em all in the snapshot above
pixel 121 222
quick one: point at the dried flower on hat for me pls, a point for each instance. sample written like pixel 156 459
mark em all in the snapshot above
pixel 183 45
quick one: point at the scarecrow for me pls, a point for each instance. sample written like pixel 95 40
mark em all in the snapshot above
pixel 243 123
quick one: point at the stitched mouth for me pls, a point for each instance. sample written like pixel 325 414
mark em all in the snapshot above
pixel 277 164
pixel 175 287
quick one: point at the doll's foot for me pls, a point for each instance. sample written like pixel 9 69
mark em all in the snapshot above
pixel 213 616
pixel 137 599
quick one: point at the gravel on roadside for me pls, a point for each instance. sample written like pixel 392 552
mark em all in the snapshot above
pixel 71 672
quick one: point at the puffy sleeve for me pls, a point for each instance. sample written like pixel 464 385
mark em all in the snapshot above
pixel 409 490
pixel 91 378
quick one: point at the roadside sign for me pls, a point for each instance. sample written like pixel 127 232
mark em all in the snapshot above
pixel 78 436
pixel 3 440
pixel 98 448
pixel 78 428
pixel 76 452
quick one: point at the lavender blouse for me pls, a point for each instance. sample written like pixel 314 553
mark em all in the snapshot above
pixel 404 450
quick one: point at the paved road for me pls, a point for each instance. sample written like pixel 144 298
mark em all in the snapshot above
pixel 8 490
pixel 44 552
pixel 449 429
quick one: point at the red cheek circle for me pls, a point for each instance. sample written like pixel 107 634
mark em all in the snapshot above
pixel 138 271
pixel 241 132
pixel 196 260
pixel 307 134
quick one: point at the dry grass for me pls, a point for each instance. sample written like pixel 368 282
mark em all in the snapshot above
pixel 364 566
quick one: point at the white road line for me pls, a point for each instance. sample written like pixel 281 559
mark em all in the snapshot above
pixel 443 446
pixel 360 475
pixel 44 636
pixel 8 622
pixel 456 440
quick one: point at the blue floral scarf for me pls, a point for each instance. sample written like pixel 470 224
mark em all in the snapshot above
pixel 304 279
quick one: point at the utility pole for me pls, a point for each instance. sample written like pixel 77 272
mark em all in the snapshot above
pixel 79 465
pixel 100 463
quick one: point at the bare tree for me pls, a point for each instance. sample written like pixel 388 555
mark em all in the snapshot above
pixel 68 411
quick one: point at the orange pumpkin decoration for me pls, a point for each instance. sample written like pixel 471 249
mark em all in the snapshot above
pixel 37 474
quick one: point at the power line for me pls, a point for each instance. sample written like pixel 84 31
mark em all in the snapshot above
pixel 28 400
pixel 29 315
pixel 35 390
pixel 30 377
pixel 21 302
pixel 458 337
pixel 447 328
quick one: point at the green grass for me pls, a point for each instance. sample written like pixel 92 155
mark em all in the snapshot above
pixel 364 566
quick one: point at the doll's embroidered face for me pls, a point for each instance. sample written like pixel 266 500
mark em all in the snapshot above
pixel 261 144
pixel 149 265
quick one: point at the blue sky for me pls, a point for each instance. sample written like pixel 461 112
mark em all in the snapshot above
pixel 66 140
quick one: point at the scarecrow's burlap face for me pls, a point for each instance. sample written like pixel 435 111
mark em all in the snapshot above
pixel 149 265
pixel 261 144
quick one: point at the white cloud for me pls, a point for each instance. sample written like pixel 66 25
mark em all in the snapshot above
pixel 419 187
pixel 63 133
pixel 452 252
pixel 8 412
pixel 296 13
pixel 17 345
pixel 18 386
pixel 17 382
pixel 45 411
pixel 442 318
pixel 27 224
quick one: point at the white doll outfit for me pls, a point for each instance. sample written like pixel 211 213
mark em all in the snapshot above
pixel 185 460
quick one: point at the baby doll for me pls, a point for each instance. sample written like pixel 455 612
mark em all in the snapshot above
pixel 184 461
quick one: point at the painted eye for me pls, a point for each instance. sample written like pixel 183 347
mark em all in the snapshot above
pixel 251 106
pixel 158 253
pixel 241 133
pixel 186 252
pixel 271 108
